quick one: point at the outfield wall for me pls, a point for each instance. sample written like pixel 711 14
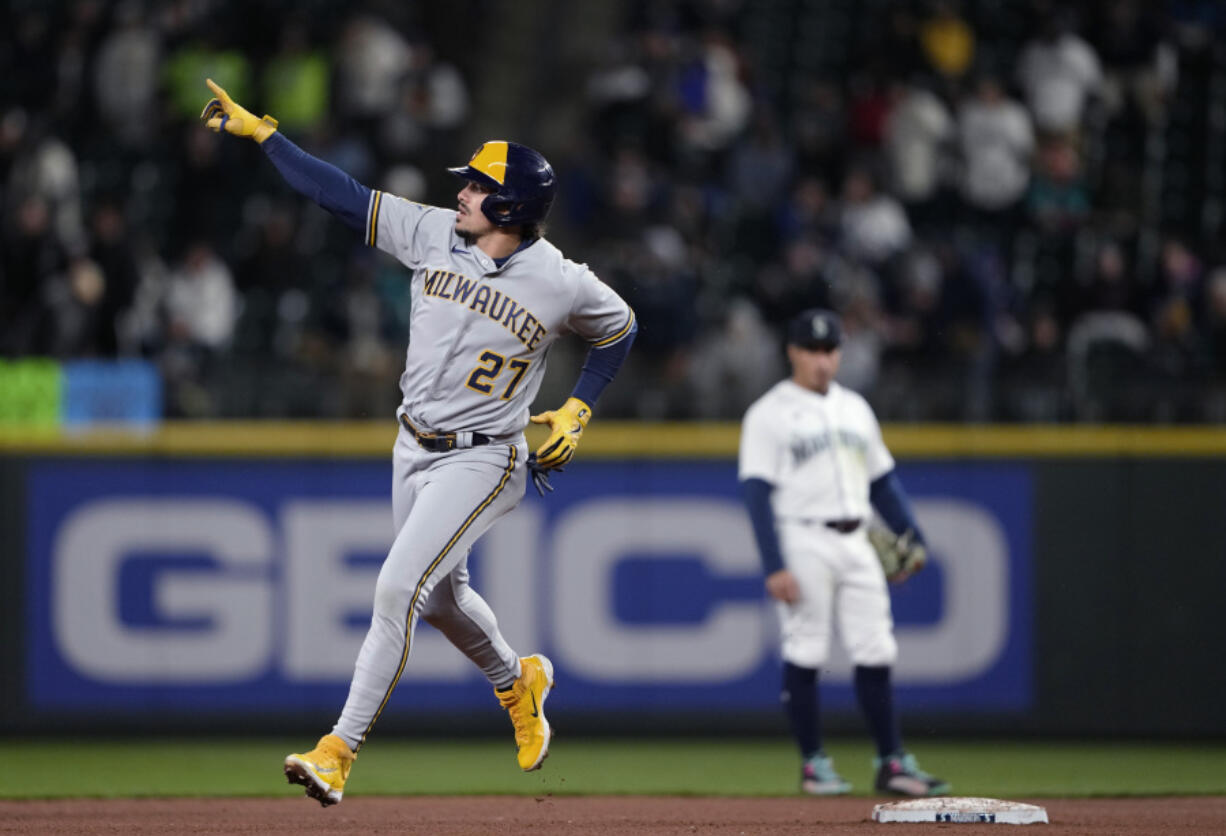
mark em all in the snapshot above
pixel 219 577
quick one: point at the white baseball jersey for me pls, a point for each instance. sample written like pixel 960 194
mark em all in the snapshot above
pixel 819 451
pixel 479 334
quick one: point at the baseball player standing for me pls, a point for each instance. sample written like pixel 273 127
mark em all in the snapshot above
pixel 811 461
pixel 489 298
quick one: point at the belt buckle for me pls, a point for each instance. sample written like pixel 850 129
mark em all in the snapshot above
pixel 436 442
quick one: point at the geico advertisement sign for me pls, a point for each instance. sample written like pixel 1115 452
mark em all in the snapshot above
pixel 238 593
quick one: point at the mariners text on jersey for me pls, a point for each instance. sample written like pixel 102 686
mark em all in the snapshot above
pixel 805 446
pixel 444 284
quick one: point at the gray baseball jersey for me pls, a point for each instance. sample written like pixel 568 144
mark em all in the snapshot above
pixel 479 334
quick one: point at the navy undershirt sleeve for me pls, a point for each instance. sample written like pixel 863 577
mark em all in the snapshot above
pixel 891 502
pixel 322 182
pixel 601 366
pixel 757 496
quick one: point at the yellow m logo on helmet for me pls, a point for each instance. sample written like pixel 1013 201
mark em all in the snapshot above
pixel 491 160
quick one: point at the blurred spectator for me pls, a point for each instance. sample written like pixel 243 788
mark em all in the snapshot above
pixel 441 96
pixel 126 75
pixel 45 167
pixel 863 342
pixel 715 102
pixel 948 41
pixel 802 280
pixel 111 250
pixel 632 192
pixel 916 131
pixel 808 212
pixel 874 226
pixel 77 323
pixel 1140 65
pixel 1057 200
pixel 735 363
pixel 820 130
pixel 917 324
pixel 760 173
pixel 995 138
pixel 1037 368
pixel 761 168
pixel 1112 286
pixel 868 105
pixel 1179 350
pixel 200 302
pixel 1058 72
pixel 31 254
pixel 372 59
pixel 654 276
pixel 1180 275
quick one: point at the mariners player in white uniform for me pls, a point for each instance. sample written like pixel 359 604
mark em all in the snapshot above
pixel 489 298
pixel 812 460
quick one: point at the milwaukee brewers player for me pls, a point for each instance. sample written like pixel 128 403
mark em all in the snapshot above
pixel 489 298
pixel 811 461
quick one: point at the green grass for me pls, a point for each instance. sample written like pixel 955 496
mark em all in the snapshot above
pixel 246 767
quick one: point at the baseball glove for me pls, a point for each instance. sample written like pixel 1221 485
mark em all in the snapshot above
pixel 901 555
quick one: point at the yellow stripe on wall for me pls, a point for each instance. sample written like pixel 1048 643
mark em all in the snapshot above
pixel 612 439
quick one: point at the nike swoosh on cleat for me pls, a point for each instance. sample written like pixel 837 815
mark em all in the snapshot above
pixel 324 770
pixel 535 713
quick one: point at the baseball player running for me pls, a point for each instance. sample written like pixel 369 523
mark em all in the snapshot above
pixel 489 298
pixel 811 462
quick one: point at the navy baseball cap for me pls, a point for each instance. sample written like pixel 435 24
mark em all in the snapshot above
pixel 816 328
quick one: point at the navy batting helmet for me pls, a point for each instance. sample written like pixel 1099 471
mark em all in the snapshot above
pixel 521 178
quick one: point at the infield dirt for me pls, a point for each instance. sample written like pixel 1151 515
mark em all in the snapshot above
pixel 543 816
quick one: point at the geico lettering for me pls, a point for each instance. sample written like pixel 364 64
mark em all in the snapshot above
pixel 235 601
pixel 589 542
pixel 968 639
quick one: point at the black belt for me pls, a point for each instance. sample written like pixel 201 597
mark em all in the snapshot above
pixel 843 526
pixel 442 442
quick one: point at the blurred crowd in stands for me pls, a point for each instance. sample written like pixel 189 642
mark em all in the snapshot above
pixel 1016 205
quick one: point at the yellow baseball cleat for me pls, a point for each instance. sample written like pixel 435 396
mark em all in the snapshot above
pixel 525 702
pixel 323 770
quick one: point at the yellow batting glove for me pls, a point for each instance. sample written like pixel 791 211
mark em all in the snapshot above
pixel 567 423
pixel 224 114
